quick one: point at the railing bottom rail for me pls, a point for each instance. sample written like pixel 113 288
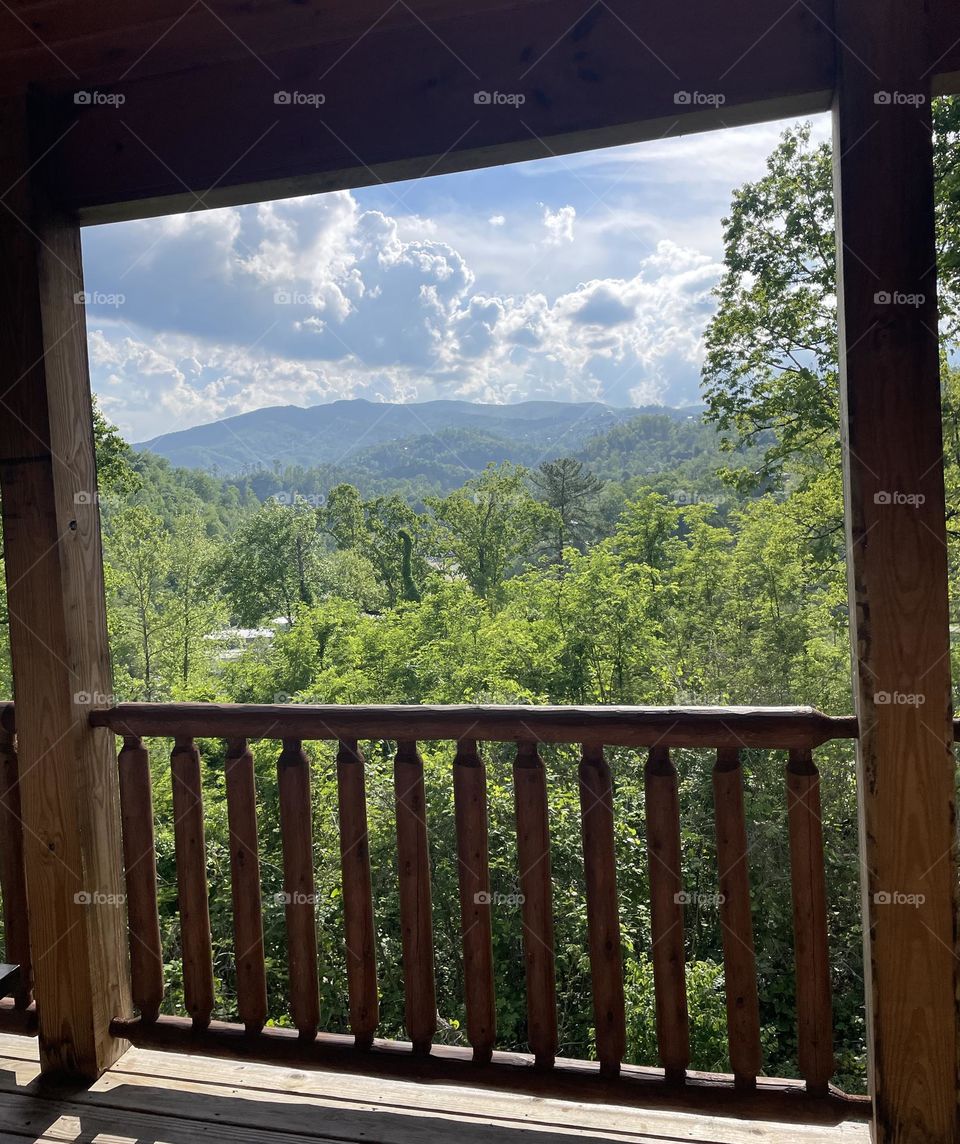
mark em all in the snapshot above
pixel 13 1019
pixel 708 1093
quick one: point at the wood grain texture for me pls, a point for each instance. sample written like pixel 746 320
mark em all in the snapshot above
pixel 786 1108
pixel 13 878
pixel 897 570
pixel 473 869
pixel 577 70
pixel 536 887
pixel 58 636
pixel 97 43
pixel 184 1097
pixel 140 872
pixel 810 936
pixel 359 928
pixel 666 913
pixel 736 919
pixel 603 908
pixel 191 852
pixel 299 888
pixel 593 726
pixel 245 885
pixel 416 918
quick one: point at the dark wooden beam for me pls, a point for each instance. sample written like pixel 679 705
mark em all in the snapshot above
pixel 762 727
pixel 198 125
pixel 399 103
pixel 94 42
pixel 893 467
pixel 58 635
pixel 943 47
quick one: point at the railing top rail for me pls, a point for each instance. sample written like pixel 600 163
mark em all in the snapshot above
pixel 767 727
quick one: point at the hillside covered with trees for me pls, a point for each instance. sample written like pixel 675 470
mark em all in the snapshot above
pixel 662 560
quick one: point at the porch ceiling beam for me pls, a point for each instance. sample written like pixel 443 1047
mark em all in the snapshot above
pixel 399 102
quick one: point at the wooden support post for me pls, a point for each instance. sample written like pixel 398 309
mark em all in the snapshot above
pixel 897 562
pixel 58 635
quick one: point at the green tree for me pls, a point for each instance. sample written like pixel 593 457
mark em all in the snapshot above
pixel 115 473
pixel 195 606
pixel 342 516
pixel 770 374
pixel 771 361
pixel 138 567
pixel 388 519
pixel 270 565
pixel 489 527
pixel 571 490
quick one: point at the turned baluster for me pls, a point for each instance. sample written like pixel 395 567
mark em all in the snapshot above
pixel 739 962
pixel 358 923
pixel 192 894
pixel 470 808
pixel 536 888
pixel 12 874
pixel 666 914
pixel 416 922
pixel 603 910
pixel 140 868
pixel 811 949
pixel 245 885
pixel 299 890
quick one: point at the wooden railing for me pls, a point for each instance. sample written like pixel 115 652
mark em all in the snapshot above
pixel 12 877
pixel 658 730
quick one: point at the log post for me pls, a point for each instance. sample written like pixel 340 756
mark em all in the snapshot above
pixel 58 633
pixel 897 562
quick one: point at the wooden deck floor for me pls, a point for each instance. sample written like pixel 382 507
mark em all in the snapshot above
pixel 169 1098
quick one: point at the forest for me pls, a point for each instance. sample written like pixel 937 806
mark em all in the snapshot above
pixel 667 560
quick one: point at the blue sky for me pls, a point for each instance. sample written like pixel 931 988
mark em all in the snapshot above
pixel 586 277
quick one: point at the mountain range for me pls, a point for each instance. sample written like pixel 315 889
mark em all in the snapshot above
pixel 430 439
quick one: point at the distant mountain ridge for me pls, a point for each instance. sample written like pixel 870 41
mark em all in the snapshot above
pixel 394 439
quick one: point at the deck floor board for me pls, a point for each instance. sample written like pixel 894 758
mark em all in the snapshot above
pixel 152 1097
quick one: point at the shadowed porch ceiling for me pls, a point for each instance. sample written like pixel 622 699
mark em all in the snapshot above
pixel 169 106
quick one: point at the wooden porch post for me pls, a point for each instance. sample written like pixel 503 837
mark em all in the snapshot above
pixel 897 562
pixel 54 570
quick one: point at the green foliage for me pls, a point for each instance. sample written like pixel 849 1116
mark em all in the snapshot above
pixel 669 559
pixel 771 365
pixel 571 491
pixel 487 528
pixel 270 566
